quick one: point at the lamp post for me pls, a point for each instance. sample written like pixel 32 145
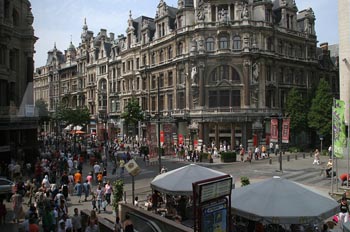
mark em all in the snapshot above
pixel 158 127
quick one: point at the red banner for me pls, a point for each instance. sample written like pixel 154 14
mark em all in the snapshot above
pixel 161 137
pixel 181 139
pixel 285 130
pixel 274 130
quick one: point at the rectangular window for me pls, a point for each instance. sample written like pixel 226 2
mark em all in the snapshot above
pixel 154 82
pixel 153 104
pixel 161 102
pixel 181 101
pixel 236 98
pixel 213 99
pixel 170 79
pixel 161 80
pixel 224 100
pixel 170 101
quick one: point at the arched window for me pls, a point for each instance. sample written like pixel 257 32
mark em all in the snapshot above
pixel 236 43
pixel 223 42
pixel 209 44
pixel 225 72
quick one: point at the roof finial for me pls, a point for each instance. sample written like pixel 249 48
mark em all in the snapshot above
pixel 54 45
pixel 130 14
pixel 85 27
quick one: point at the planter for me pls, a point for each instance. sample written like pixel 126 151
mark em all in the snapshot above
pixel 228 157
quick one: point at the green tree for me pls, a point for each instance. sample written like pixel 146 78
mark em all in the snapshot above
pixel 295 109
pixel 78 116
pixel 43 112
pixel 132 114
pixel 320 114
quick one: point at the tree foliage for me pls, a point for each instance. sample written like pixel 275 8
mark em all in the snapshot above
pixel 43 112
pixel 118 191
pixel 295 108
pixel 320 114
pixel 78 116
pixel 132 113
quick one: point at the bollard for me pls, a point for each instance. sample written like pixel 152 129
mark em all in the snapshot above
pixel 270 161
pixel 288 158
pixel 296 157
pixel 304 155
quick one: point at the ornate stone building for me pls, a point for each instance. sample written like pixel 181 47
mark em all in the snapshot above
pixel 209 70
pixel 18 123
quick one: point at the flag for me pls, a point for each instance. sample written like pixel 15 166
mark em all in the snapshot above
pixel 339 134
pixel 274 130
pixel 285 130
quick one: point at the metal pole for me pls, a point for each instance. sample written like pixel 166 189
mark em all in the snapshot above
pixel 332 151
pixel 158 119
pixel 133 189
pixel 280 140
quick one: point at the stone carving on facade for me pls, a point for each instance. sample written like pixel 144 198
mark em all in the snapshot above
pixel 194 76
pixel 255 71
pixel 180 4
pixel 200 14
pixel 245 13
pixel 222 15
pixel 246 39
pixel 246 63
pixel 201 47
pixel 193 45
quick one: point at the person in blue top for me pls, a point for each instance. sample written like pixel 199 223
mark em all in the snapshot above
pixel 78 189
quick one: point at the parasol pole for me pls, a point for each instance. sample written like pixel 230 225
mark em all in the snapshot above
pixel 347 145
pixel 332 174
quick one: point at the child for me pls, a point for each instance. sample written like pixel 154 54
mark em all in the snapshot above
pixel 3 212
pixel 93 202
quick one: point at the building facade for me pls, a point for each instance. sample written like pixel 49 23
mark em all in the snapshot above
pixel 207 71
pixel 18 123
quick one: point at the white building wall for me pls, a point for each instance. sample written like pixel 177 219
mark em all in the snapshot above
pixel 344 52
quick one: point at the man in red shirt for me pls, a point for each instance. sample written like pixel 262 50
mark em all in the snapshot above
pixel 344 178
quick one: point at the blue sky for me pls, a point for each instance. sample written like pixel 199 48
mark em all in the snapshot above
pixel 59 21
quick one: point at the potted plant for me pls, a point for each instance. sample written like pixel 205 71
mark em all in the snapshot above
pixel 229 156
pixel 244 181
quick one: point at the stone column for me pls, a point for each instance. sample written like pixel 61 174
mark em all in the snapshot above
pixel 246 77
pixel 201 84
pixel 262 86
pixel 233 136
pixel 217 142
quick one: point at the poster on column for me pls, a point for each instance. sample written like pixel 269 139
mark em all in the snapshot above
pixel 168 145
pixel 274 130
pixel 285 130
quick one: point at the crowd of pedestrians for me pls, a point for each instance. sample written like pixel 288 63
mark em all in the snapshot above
pixel 49 184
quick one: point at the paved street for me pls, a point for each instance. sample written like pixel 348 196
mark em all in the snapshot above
pixel 300 170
